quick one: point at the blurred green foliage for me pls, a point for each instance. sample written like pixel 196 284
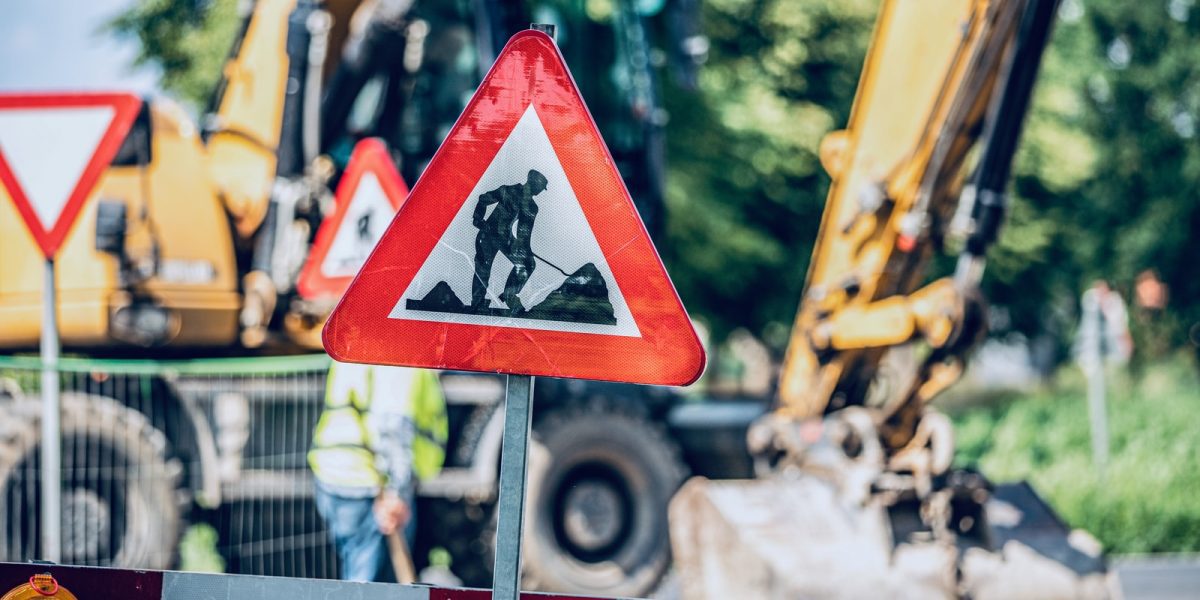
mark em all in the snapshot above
pixel 198 550
pixel 1104 184
pixel 187 39
pixel 1148 498
pixel 745 188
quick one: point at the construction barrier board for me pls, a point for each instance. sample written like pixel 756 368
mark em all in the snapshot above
pixel 94 583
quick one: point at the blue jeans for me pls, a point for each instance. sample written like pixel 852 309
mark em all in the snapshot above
pixel 362 549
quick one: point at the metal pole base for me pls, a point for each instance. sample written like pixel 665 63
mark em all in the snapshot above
pixel 514 454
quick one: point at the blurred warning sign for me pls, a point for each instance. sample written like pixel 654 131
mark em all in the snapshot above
pixel 370 193
pixel 53 149
pixel 519 250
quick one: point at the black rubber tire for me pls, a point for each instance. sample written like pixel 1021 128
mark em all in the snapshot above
pixel 600 446
pixel 135 490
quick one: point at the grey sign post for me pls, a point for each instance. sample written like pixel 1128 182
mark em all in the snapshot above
pixel 1101 342
pixel 514 454
pixel 1098 413
pixel 51 431
pixel 514 461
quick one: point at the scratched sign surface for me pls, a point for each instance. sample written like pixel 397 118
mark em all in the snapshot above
pixel 519 250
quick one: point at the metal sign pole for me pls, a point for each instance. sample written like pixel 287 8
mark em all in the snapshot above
pixel 514 452
pixel 1098 414
pixel 1092 356
pixel 51 430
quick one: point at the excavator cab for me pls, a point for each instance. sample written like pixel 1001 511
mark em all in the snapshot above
pixel 406 79
pixel 402 71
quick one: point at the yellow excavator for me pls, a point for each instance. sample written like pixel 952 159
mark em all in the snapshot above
pixel 188 247
pixel 161 268
pixel 855 494
pixel 195 234
pixel 188 251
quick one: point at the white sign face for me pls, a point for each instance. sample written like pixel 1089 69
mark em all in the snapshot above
pixel 48 150
pixel 366 219
pixel 519 252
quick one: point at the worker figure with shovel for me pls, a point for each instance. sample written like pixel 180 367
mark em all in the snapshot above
pixel 507 230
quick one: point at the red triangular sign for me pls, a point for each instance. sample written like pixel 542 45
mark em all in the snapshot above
pixel 519 250
pixel 368 196
pixel 53 149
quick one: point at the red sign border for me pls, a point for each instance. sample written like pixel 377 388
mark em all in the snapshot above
pixel 125 110
pixel 370 155
pixel 668 352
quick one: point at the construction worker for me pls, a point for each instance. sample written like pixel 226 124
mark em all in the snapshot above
pixel 507 230
pixel 382 430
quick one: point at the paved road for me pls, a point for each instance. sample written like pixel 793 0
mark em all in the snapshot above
pixel 1158 578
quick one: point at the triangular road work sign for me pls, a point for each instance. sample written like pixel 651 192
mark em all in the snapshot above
pixel 53 149
pixel 519 250
pixel 368 196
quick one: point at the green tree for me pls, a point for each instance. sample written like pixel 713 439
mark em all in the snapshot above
pixel 746 189
pixel 187 39
pixel 1107 176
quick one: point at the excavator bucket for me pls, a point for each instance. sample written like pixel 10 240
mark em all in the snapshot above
pixel 805 536
pixel 794 538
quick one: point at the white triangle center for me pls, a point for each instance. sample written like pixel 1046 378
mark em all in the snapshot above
pixel 568 285
pixel 366 219
pixel 48 150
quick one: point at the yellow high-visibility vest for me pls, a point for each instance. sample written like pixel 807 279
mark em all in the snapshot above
pixel 341 454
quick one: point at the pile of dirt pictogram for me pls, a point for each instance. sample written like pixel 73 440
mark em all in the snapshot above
pixel 582 298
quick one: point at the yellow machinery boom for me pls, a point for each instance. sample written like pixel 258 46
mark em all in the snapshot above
pixel 856 495
pixel 933 71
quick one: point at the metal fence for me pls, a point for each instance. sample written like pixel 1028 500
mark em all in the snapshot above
pixel 153 448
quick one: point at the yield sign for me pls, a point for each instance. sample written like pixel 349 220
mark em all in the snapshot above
pixel 53 149
pixel 519 250
pixel 370 193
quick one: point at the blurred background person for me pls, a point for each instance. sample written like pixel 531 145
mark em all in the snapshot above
pixel 1153 325
pixel 1103 335
pixel 1102 345
pixel 382 430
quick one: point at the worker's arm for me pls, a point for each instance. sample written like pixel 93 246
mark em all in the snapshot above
pixel 394 429
pixel 485 200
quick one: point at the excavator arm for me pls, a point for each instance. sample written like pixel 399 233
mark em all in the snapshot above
pixel 284 97
pixel 856 494
pixel 939 77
